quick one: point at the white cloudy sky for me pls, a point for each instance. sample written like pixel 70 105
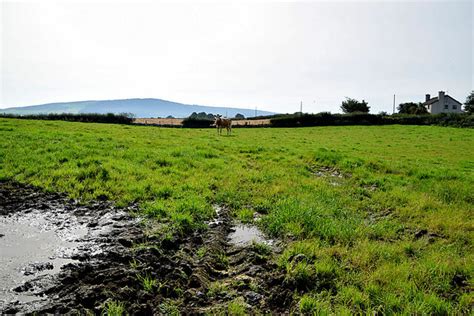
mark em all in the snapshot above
pixel 268 54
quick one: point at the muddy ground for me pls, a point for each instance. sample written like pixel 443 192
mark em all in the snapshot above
pixel 100 255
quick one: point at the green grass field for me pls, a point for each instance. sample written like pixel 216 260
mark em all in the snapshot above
pixel 393 233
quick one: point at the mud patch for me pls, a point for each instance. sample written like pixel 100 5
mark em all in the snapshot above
pixel 110 259
pixel 235 266
pixel 333 175
pixel 44 237
pixel 323 171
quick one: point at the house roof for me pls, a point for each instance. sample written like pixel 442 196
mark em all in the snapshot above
pixel 435 99
pixel 430 101
pixel 454 99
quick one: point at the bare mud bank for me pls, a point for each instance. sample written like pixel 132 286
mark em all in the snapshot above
pixel 48 239
pixel 61 257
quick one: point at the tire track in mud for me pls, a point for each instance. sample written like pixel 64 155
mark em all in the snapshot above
pixel 235 269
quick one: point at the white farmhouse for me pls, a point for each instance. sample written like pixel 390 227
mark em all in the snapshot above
pixel 443 103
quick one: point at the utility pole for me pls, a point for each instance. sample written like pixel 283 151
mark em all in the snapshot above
pixel 301 108
pixel 393 112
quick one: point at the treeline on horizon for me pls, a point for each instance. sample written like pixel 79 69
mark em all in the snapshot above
pixel 122 118
pixel 279 120
pixel 328 119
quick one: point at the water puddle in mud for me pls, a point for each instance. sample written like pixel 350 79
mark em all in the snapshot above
pixel 51 246
pixel 241 234
pixel 245 234
pixel 36 244
pixel 32 245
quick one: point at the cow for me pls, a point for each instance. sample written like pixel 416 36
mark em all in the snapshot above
pixel 221 123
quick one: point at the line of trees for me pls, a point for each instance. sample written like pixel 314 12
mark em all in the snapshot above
pixel 412 108
pixel 210 116
pixel 202 116
pixel 328 119
pixel 354 106
pixel 122 118
pixel 203 119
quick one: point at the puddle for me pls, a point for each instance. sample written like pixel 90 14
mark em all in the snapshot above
pixel 32 245
pixel 240 234
pixel 245 234
pixel 45 236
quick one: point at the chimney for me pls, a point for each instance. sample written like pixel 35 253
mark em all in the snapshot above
pixel 427 97
pixel 441 97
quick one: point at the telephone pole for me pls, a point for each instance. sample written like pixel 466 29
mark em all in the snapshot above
pixel 393 112
pixel 301 108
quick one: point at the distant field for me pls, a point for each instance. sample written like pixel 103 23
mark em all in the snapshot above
pixel 251 122
pixel 178 122
pixel 158 121
pixel 375 219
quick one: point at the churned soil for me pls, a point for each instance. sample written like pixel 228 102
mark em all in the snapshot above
pixel 111 256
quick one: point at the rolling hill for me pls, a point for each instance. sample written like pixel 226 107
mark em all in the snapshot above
pixel 138 107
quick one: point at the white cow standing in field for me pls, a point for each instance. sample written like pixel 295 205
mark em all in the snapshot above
pixel 221 123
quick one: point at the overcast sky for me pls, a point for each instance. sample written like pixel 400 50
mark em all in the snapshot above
pixel 271 55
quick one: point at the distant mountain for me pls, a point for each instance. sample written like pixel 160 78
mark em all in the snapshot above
pixel 138 107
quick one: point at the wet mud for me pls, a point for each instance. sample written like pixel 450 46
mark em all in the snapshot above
pixel 48 239
pixel 59 256
pixel 333 175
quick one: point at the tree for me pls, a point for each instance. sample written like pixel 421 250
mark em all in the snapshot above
pixel 201 116
pixel 239 116
pixel 352 105
pixel 469 105
pixel 412 108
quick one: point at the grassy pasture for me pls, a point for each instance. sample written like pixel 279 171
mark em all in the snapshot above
pixel 376 218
